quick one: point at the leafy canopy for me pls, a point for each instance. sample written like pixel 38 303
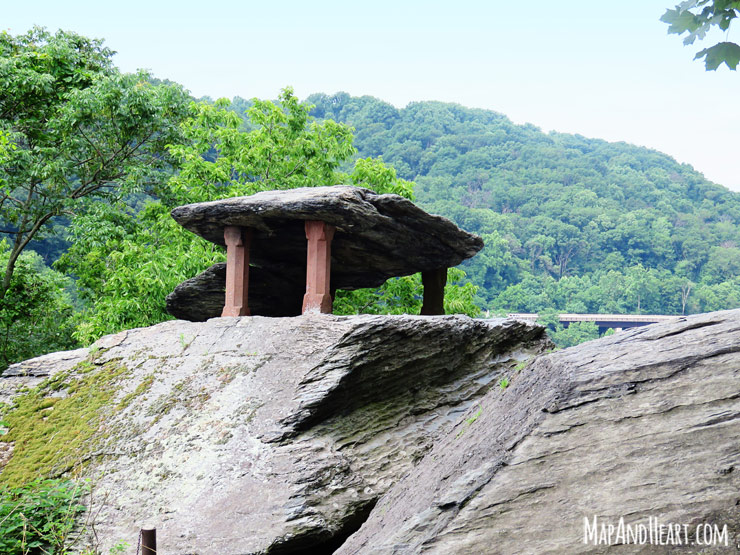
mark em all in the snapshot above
pixel 77 128
pixel 570 224
pixel 697 17
pixel 283 150
pixel 35 314
pixel 127 262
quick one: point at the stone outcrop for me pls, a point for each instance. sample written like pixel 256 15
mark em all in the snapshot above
pixel 377 236
pixel 373 434
pixel 30 373
pixel 202 297
pixel 643 425
pixel 262 435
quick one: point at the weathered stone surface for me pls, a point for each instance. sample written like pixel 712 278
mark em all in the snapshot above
pixel 201 297
pixel 377 236
pixel 30 373
pixel 645 423
pixel 280 435
pixel 253 435
pixel 270 294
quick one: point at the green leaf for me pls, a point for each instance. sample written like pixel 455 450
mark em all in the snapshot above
pixel 714 56
pixel 680 21
pixel 688 4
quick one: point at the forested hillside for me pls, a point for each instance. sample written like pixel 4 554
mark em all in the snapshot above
pixel 92 160
pixel 571 224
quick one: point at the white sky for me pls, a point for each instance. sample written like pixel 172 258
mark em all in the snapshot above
pixel 600 69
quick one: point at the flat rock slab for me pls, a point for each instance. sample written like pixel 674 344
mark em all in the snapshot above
pixel 641 425
pixel 377 236
pixel 270 294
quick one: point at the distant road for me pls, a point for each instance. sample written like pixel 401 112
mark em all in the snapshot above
pixel 605 321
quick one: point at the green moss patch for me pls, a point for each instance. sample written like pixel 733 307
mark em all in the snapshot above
pixel 53 434
pixel 142 388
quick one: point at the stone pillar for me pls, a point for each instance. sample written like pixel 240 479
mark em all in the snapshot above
pixel 237 270
pixel 318 267
pixel 434 291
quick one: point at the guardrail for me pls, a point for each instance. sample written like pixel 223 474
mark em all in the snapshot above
pixel 605 321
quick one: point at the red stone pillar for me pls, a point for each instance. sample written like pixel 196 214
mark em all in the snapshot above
pixel 318 267
pixel 434 282
pixel 237 270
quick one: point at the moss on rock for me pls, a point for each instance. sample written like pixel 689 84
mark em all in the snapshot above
pixel 54 427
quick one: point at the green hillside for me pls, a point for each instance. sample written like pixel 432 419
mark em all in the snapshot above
pixel 92 160
pixel 570 223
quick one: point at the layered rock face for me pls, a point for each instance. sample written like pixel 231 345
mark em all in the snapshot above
pixel 266 435
pixel 642 425
pixel 377 236
pixel 272 294
pixel 374 434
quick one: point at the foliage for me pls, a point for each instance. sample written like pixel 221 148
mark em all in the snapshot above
pixel 79 129
pixel 35 312
pixel 127 261
pixel 697 17
pixel 404 295
pixel 574 334
pixel 563 337
pixel 39 517
pixel 284 150
pixel 570 224
pixel 460 294
pixel 374 174
pixel 5 147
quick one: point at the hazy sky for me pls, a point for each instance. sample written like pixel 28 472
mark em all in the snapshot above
pixel 600 69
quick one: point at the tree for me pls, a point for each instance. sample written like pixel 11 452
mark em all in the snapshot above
pixel 78 129
pixel 4 146
pixel 642 285
pixel 574 334
pixel 34 317
pixel 722 262
pixel 374 174
pixel 557 206
pixel 404 295
pixel 128 262
pixel 697 17
pixel 284 149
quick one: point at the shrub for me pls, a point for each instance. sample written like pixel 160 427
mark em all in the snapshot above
pixel 39 517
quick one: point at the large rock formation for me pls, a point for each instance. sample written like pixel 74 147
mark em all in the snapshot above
pixel 259 435
pixel 642 425
pixel 252 435
pixel 377 237
pixel 271 294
